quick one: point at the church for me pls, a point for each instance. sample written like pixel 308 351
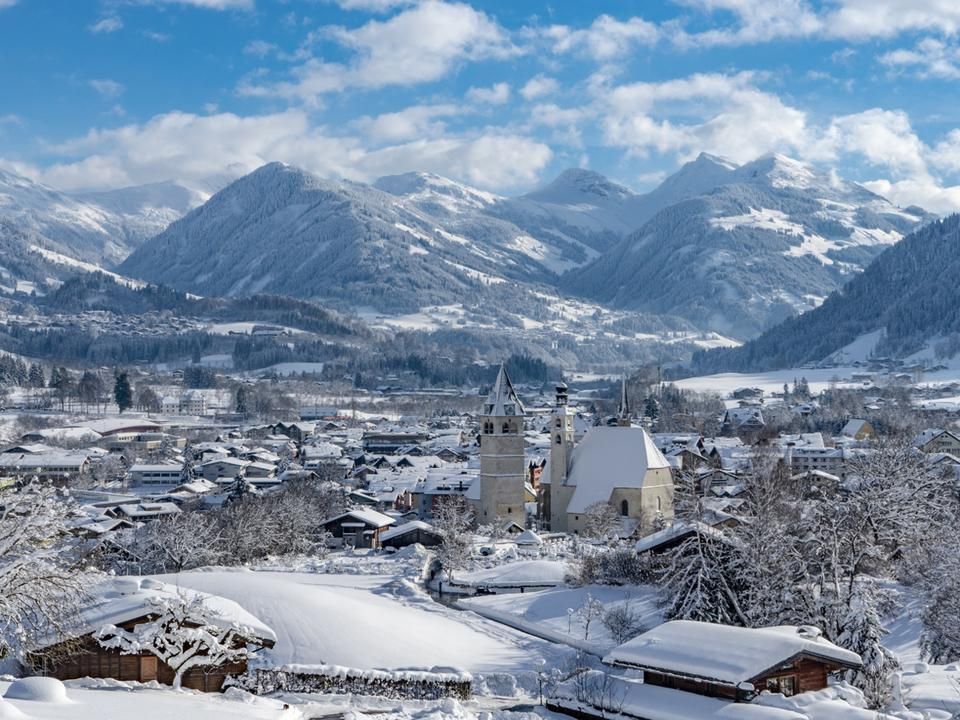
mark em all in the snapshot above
pixel 618 465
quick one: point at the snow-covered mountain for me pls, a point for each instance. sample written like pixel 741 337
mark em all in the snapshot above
pixel 64 229
pixel 747 246
pixel 283 230
pixel 904 302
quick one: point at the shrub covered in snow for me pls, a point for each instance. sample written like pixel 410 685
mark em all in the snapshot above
pixel 396 685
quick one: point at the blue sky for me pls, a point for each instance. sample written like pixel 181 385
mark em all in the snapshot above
pixel 503 95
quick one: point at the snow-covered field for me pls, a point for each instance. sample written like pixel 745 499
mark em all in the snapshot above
pixel 110 700
pixel 554 613
pixel 367 622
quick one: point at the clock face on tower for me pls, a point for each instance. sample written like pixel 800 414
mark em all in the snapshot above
pixel 508 409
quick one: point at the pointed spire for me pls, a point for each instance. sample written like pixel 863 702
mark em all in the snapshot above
pixel 503 399
pixel 623 412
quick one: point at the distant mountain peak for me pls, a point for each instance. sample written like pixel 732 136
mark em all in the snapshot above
pixel 705 158
pixel 577 185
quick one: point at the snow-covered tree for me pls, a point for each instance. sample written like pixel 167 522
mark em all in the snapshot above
pixel 184 633
pixel 940 640
pixel 701 580
pixel 862 633
pixel 452 518
pixel 40 587
pixel 602 521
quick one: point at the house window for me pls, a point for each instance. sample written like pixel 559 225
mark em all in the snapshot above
pixel 624 508
pixel 785 684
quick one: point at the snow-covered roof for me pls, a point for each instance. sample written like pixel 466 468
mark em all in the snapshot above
pixel 528 537
pixel 608 458
pixel 121 600
pixel 852 427
pixel 405 528
pixel 109 426
pixel 366 516
pixel 723 653
pixel 503 399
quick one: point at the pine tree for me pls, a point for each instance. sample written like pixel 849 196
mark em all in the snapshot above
pixel 241 401
pixel 36 377
pixel 862 633
pixel 122 392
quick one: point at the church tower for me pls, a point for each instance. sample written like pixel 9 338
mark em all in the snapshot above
pixel 502 464
pixel 561 445
pixel 623 411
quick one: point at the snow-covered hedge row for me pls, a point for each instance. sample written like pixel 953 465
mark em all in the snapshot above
pixel 397 685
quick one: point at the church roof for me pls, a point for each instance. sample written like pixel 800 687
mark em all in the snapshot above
pixel 609 458
pixel 503 399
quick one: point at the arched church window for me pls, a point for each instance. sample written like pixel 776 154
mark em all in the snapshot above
pixel 659 503
pixel 506 428
pixel 625 508
pixel 559 439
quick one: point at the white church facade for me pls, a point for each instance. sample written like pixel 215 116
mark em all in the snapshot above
pixel 618 465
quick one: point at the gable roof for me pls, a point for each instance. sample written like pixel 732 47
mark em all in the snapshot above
pixel 121 600
pixel 503 399
pixel 723 653
pixel 608 458
pixel 366 516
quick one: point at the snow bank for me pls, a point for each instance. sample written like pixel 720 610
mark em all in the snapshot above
pixel 38 689
pixel 543 573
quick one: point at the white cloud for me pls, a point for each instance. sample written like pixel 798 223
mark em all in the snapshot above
pixel 7 3
pixel 758 21
pixel 539 86
pixel 419 45
pixel 207 4
pixel 496 94
pixel 155 36
pixel 605 39
pixel 191 148
pixel 723 114
pixel 108 24
pixel 492 160
pixel 11 119
pixel 107 88
pixel 930 58
pixel 373 5
pixel 410 123
pixel 259 48
pixel 863 19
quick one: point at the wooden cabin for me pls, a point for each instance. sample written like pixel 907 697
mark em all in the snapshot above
pixel 126 603
pixel 732 662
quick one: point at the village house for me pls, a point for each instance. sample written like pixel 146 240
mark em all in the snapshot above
pixel 858 429
pixel 126 603
pixel 743 421
pixel 359 528
pixel 410 533
pixel 164 474
pixel 937 440
pixel 733 662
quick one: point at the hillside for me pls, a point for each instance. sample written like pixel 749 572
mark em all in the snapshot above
pixel 908 293
pixel 46 233
pixel 772 239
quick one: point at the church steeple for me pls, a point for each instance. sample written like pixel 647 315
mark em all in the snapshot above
pixel 502 400
pixel 623 412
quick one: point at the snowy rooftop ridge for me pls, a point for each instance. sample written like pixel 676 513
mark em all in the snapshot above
pixel 677 647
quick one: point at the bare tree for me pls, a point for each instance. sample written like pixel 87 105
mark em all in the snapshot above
pixel 452 517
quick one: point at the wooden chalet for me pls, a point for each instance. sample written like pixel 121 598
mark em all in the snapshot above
pixel 126 603
pixel 732 662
